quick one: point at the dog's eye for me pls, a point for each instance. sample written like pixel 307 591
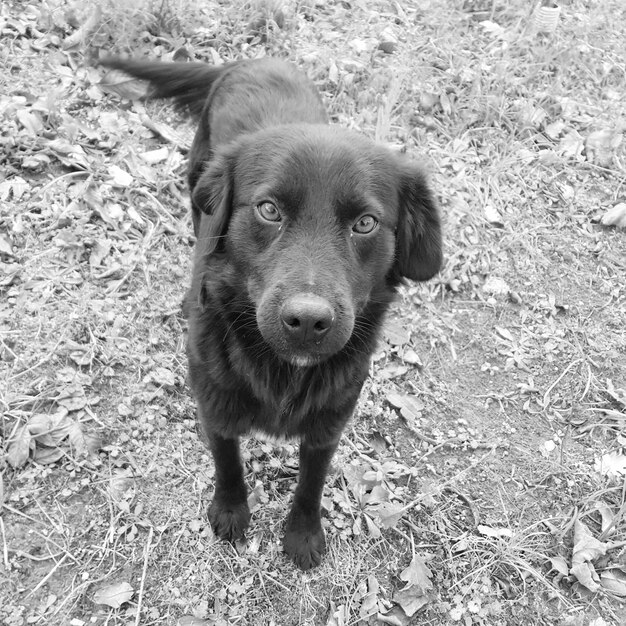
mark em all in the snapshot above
pixel 365 224
pixel 268 212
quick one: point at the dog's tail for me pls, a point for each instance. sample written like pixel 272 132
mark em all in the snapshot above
pixel 187 83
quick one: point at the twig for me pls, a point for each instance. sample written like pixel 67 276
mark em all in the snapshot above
pixel 5 548
pixel 43 581
pixel 468 501
pixel 40 362
pixel 146 554
pixel 445 483
pixel 546 395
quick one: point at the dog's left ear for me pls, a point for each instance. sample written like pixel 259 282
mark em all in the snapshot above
pixel 418 238
pixel 212 196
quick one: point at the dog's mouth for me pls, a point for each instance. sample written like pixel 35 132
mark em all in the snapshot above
pixel 305 360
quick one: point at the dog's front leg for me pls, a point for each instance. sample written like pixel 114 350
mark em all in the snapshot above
pixel 304 538
pixel 228 513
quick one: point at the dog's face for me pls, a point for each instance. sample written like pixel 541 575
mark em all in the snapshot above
pixel 317 222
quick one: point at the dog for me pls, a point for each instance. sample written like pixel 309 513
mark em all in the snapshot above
pixel 304 231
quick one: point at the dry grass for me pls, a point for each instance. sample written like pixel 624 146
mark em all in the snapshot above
pixel 515 351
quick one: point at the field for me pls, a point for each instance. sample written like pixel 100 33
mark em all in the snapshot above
pixel 483 477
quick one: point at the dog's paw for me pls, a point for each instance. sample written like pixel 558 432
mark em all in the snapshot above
pixel 304 541
pixel 229 520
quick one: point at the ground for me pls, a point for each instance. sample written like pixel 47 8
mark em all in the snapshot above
pixel 481 480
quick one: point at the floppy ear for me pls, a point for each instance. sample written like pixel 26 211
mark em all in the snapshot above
pixel 212 196
pixel 418 238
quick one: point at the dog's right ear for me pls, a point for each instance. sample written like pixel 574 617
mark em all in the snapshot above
pixel 212 196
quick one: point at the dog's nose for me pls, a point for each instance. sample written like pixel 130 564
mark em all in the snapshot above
pixel 307 318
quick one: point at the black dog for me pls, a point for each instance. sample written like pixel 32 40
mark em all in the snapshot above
pixel 304 231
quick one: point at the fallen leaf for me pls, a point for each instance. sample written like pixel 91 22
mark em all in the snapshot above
pixel 72 156
pixel 571 145
pixel 119 83
pixel 608 517
pixel 418 573
pixel 47 456
pixel 372 528
pixel 40 427
pixel 554 129
pixel 612 464
pixel 13 188
pixel 370 599
pixel 410 407
pixel 411 599
pixel 114 595
pixel 601 144
pixel 488 531
pixel 505 334
pixel 586 549
pixel 393 370
pixel 496 286
pixel 615 216
pixel 389 513
pixel 586 575
pixel 99 252
pixel 492 215
pixel 120 177
pixel 6 245
pixel 20 447
pixel 614 580
pixel 162 377
pixel 559 564
pixel 410 356
pixel 155 156
pixel 396 334
pixel 29 121
pixel 122 485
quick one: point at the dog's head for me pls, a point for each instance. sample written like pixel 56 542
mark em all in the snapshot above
pixel 319 224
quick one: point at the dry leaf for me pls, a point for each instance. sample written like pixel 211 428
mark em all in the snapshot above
pixel 410 407
pixel 586 549
pixel 612 464
pixel 411 599
pixel 492 215
pixel 40 427
pixel 571 145
pixel 559 564
pixel 396 334
pixel 495 286
pixel 114 595
pixel 47 456
pixel 120 177
pixel 410 356
pixel 119 83
pixel 122 485
pixel 418 573
pixel 13 188
pixel 615 216
pixel 614 580
pixel 20 447
pixel 601 144
pixel 586 575
pixel 388 513
pixel 29 121
pixel 488 531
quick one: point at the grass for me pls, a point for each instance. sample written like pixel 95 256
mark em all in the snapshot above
pixel 473 461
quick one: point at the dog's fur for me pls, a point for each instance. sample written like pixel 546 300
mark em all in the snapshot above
pixel 304 230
